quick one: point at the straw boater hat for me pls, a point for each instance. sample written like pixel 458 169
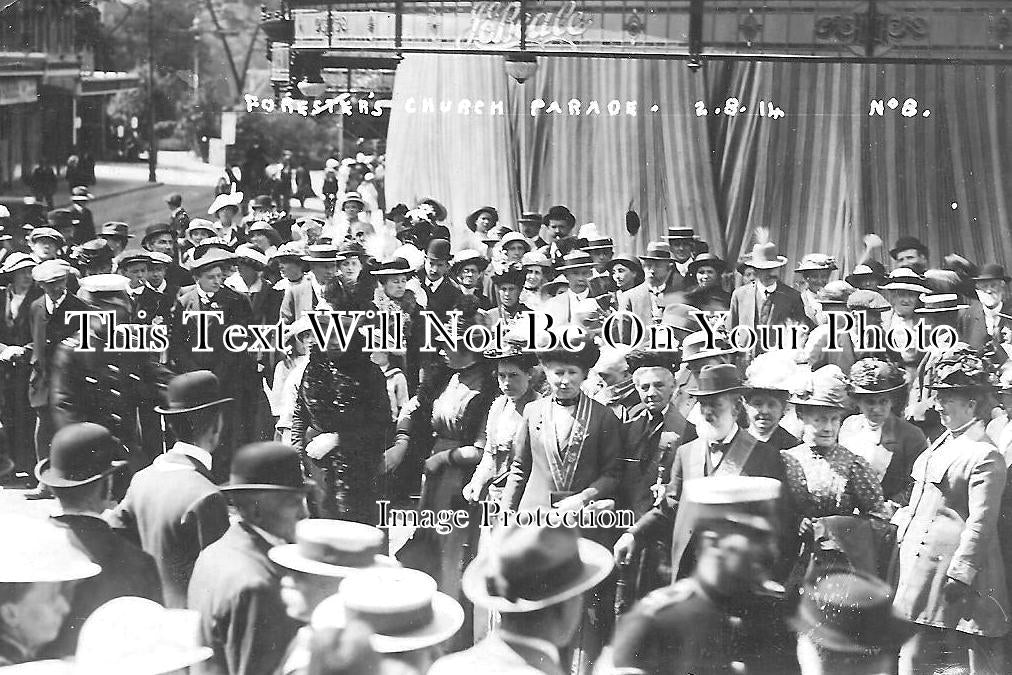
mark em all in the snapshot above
pixel 80 454
pixel 466 257
pixel 846 610
pixel 934 303
pixel 814 262
pixel 905 279
pixel 250 255
pixel 393 268
pixel 827 388
pixel 37 551
pixel 575 259
pixel 472 220
pixel 193 391
pixel 321 253
pixel 530 568
pixel 221 201
pixel 681 234
pixel 720 378
pixel 332 548
pixel 289 251
pixel 876 376
pixel 137 636
pixel 598 243
pixel 402 606
pixel 961 367
pixel 16 260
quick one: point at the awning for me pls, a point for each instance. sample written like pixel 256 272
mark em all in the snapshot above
pixel 102 82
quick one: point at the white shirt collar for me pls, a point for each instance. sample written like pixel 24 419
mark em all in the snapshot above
pixel 537 644
pixel 271 539
pixel 161 287
pixel 192 451
pixel 683 268
pixel 580 296
pixel 203 295
pixel 51 306
pixel 433 285
pixel 135 291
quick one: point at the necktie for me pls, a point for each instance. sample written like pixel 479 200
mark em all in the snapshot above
pixel 766 309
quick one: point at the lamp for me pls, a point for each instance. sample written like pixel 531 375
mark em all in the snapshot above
pixel 312 89
pixel 521 66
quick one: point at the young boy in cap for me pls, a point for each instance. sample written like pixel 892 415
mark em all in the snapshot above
pixel 172 507
pixel 144 302
pixel 82 467
pixel 162 238
pixel 48 316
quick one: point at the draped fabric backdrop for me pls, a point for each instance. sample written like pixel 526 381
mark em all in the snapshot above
pixel 819 178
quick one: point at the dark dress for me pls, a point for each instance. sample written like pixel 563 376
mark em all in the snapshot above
pixel 344 392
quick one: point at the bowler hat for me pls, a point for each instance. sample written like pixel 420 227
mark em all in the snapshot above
pixel 905 279
pixel 438 249
pixel 906 243
pixel 530 568
pixel 846 610
pixel 80 454
pixel 716 379
pixel 332 548
pixel 265 466
pixel 156 230
pixel 472 220
pixel 658 250
pixel 992 272
pixel 402 606
pixel 189 392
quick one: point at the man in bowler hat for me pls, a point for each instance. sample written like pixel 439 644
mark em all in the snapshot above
pixel 80 471
pixel 235 586
pixel 172 507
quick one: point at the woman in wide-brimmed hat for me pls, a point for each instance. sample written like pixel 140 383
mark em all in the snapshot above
pixel 768 382
pixel 705 272
pixel 443 437
pixel 341 418
pixel 482 220
pixel 888 443
pixel 823 477
pixel 952 579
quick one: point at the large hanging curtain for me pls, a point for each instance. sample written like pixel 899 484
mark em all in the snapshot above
pixel 819 178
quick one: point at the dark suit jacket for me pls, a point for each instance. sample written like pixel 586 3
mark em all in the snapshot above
pixel 495 655
pixel 444 299
pixel 906 442
pixel 17 330
pixel 601 285
pixel 646 459
pixel 598 471
pixel 232 368
pixel 84 225
pixel 145 306
pixel 174 510
pixel 177 276
pixel 166 300
pixel 237 591
pixel 745 307
pixel 47 333
pixel 126 571
pixel 745 457
pixel 709 299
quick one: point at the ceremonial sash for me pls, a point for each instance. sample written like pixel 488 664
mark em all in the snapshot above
pixel 562 461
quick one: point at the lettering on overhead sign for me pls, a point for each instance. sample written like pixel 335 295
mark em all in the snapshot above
pixel 497 24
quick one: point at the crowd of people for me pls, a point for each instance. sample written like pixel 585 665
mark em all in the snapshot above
pixel 817 501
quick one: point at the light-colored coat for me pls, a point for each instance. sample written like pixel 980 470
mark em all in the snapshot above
pixel 950 530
